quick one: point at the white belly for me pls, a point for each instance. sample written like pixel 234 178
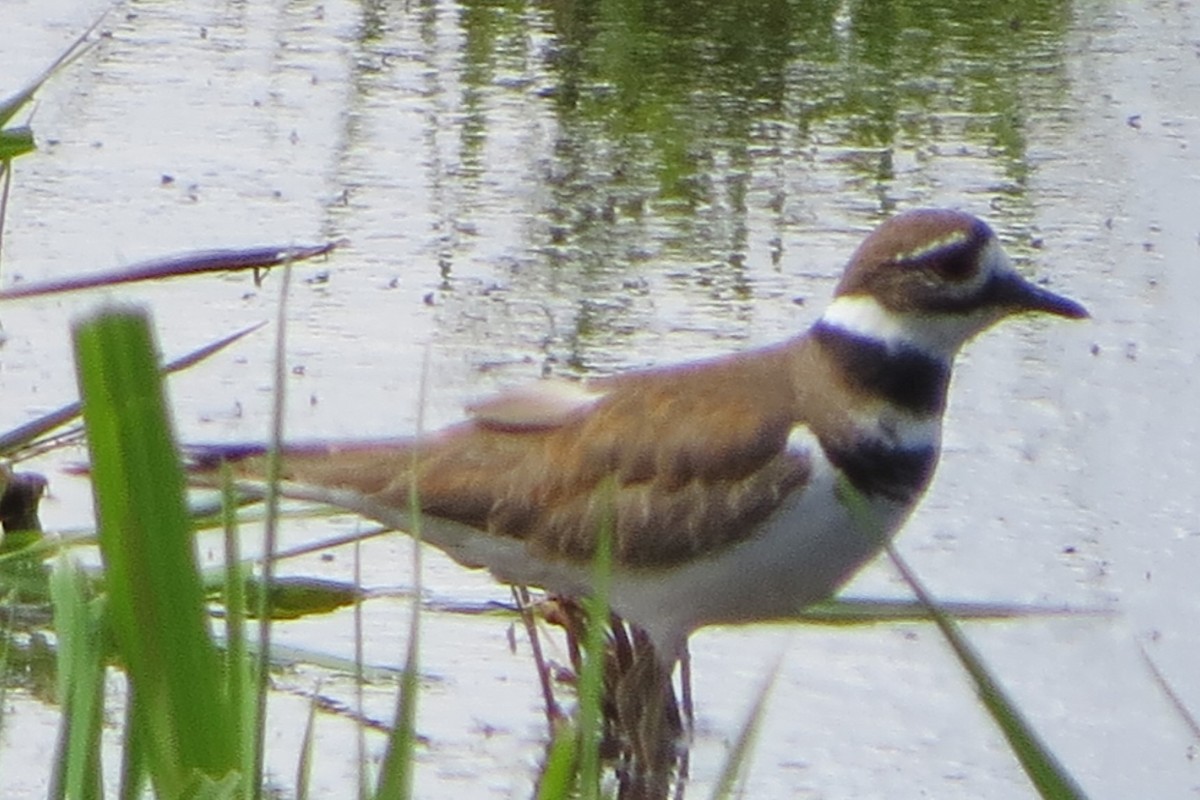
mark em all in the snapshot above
pixel 806 551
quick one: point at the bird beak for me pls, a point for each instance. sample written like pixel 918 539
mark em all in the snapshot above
pixel 1021 296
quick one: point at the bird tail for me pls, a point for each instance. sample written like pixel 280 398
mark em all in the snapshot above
pixel 373 479
pixel 368 467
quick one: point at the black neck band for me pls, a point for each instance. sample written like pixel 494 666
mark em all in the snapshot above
pixel 904 376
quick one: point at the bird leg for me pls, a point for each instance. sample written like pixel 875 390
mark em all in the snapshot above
pixel 648 723
pixel 643 723
pixel 554 714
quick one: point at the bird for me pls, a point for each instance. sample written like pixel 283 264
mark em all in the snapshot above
pixel 731 490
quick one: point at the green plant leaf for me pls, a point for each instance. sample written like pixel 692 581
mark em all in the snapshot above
pixel 1047 774
pixel 15 142
pixel 155 597
pixel 79 624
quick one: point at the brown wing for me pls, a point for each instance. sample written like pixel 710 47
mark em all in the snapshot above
pixel 677 463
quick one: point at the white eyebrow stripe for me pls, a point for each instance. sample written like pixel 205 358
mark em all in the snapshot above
pixel 949 240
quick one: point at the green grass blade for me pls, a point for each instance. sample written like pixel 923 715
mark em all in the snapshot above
pixel 847 611
pixel 15 142
pixel 1047 774
pixel 557 781
pixel 270 537
pixel 80 628
pixel 396 772
pixel 133 755
pixel 1177 703
pixel 360 739
pixel 304 765
pixel 738 758
pixel 24 434
pixel 1050 777
pixel 253 258
pixel 573 765
pixel 203 787
pixel 5 189
pixel 9 611
pixel 591 681
pixel 239 683
pixel 14 103
pixel 156 599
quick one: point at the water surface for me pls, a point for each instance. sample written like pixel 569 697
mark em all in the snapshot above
pixel 579 188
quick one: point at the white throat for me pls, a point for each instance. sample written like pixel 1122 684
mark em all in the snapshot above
pixel 936 335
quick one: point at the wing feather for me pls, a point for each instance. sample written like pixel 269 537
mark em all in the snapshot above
pixel 677 463
pixel 674 469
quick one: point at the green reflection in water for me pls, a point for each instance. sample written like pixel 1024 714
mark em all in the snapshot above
pixel 692 145
pixel 685 79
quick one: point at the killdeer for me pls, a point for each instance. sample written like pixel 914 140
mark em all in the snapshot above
pixel 723 481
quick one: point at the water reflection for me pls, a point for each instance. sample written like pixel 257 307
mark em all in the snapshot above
pixel 687 147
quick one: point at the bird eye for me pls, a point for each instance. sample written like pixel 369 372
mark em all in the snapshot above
pixel 953 264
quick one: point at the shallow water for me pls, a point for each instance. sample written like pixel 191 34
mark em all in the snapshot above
pixel 588 187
